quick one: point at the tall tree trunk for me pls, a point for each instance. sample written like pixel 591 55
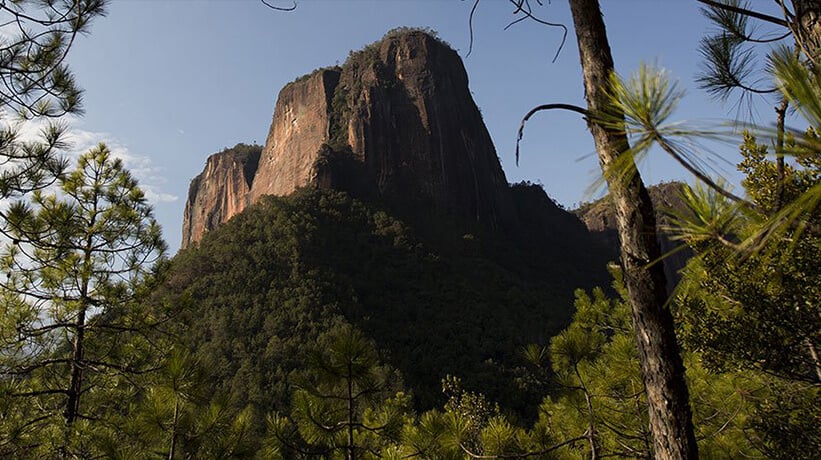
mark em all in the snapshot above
pixel 75 389
pixel 662 368
pixel 75 386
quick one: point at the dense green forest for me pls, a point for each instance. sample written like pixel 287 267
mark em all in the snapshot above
pixel 267 284
pixel 325 325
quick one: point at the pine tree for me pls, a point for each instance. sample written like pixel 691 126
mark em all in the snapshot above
pixel 342 407
pixel 662 368
pixel 760 312
pixel 176 415
pixel 596 361
pixel 70 322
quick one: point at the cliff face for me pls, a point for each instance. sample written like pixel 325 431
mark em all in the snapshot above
pixel 406 110
pixel 220 192
pixel 396 121
pixel 301 124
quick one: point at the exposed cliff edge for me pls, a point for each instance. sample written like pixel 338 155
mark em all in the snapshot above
pixel 301 125
pixel 220 192
pixel 399 112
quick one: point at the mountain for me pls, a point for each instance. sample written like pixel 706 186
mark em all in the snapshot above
pixel 257 292
pixel 378 201
pixel 396 121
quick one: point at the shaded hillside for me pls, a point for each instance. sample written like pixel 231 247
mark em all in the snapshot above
pixel 262 287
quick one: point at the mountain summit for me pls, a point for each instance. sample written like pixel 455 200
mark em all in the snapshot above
pixel 396 122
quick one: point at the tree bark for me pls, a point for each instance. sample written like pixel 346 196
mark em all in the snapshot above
pixel 807 30
pixel 662 368
pixel 78 352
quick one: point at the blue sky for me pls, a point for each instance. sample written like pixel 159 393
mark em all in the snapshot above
pixel 170 82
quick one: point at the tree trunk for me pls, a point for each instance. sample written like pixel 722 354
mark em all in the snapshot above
pixel 662 368
pixel 76 384
pixel 78 353
pixel 351 447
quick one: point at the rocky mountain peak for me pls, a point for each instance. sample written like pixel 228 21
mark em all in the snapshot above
pixel 396 122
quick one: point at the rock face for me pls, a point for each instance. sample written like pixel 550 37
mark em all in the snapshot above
pixel 406 110
pixel 301 124
pixel 220 192
pixel 395 122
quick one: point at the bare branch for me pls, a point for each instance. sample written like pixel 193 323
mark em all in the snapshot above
pixel 279 8
pixel 470 26
pixel 746 12
pixel 571 107
pixel 523 6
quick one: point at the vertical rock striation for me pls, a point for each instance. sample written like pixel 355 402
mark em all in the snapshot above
pixel 220 192
pixel 404 108
pixel 301 124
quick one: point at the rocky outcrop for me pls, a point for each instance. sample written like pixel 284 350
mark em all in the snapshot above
pixel 600 219
pixel 399 113
pixel 404 108
pixel 220 191
pixel 301 124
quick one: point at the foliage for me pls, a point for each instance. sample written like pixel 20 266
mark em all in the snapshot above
pixel 472 410
pixel 787 418
pixel 405 30
pixel 345 402
pixel 262 288
pixel 175 415
pixel 750 298
pixel 35 38
pixel 739 57
pixel 750 301
pixel 74 267
pixel 734 59
pixel 596 361
pixel 601 409
pixel 760 311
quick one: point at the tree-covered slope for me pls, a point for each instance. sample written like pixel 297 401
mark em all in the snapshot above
pixel 258 291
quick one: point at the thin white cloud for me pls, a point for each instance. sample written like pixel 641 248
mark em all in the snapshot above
pixel 151 177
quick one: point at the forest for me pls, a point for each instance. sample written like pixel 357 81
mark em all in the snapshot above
pixel 324 324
